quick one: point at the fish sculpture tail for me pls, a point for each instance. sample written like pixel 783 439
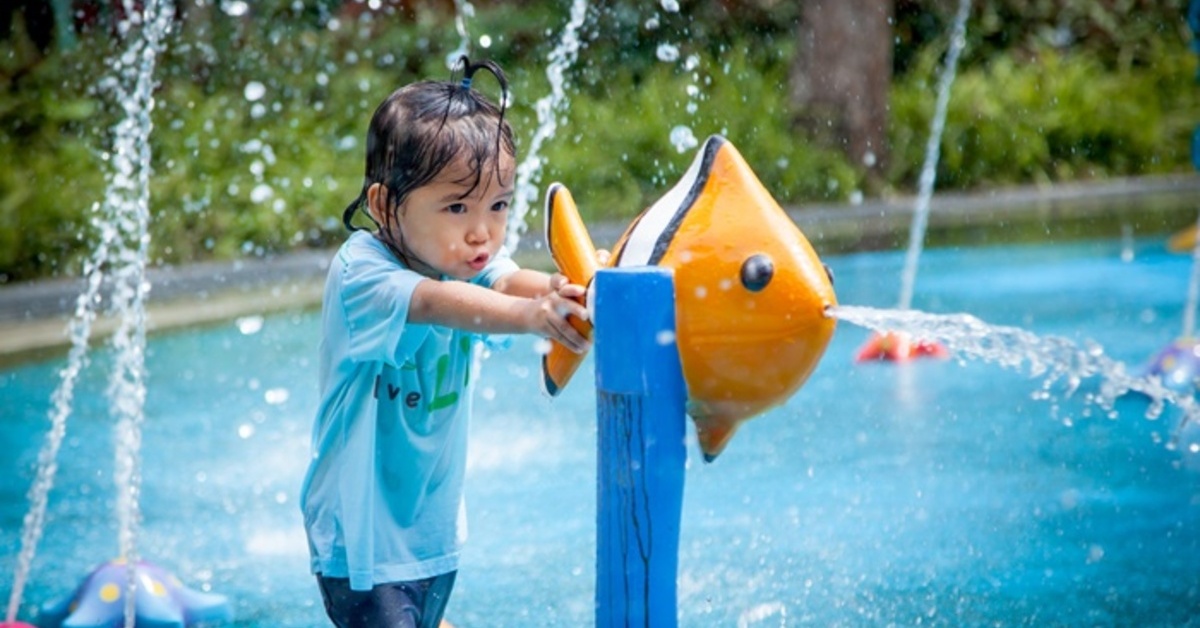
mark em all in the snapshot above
pixel 575 255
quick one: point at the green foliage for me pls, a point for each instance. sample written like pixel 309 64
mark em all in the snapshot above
pixel 615 146
pixel 1119 34
pixel 43 227
pixel 50 172
pixel 617 156
pixel 1061 118
pixel 260 122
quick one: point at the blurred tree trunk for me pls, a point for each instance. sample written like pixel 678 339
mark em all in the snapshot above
pixel 840 78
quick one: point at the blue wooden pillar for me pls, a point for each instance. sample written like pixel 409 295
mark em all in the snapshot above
pixel 640 399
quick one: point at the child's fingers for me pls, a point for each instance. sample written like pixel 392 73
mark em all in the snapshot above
pixel 562 329
pixel 567 335
pixel 571 291
pixel 570 307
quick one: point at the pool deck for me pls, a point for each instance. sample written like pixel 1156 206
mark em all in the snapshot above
pixel 34 315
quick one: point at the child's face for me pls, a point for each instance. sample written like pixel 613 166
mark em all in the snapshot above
pixel 456 235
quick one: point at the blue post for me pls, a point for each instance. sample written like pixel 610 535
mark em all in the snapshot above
pixel 640 406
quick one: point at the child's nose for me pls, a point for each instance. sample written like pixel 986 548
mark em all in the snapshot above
pixel 478 232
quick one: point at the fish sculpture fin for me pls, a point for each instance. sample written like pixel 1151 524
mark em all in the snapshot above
pixel 713 432
pixel 575 256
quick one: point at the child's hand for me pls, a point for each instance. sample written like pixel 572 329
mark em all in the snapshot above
pixel 552 312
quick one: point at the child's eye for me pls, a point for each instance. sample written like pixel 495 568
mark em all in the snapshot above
pixel 457 208
pixel 500 206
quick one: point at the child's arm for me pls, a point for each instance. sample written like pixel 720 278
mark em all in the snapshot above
pixel 529 283
pixel 474 308
pixel 532 283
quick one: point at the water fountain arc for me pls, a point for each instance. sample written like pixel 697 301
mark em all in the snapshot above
pixel 120 257
pixel 890 345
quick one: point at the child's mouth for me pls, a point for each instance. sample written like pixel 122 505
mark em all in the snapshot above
pixel 479 261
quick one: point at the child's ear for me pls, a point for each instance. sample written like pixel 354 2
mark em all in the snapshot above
pixel 377 197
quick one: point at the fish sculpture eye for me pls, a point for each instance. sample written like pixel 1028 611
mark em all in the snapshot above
pixel 828 273
pixel 757 271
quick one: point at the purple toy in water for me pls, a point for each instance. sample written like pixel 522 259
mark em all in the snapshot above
pixel 162 601
pixel 1178 364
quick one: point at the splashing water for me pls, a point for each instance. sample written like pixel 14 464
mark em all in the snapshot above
pixel 529 171
pixel 462 10
pixel 916 235
pixel 122 221
pixel 1054 359
pixel 1189 310
pixel 79 330
pixel 681 137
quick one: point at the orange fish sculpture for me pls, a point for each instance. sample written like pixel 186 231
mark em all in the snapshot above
pixel 750 293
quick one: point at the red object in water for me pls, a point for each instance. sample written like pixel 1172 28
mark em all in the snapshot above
pixel 15 624
pixel 899 347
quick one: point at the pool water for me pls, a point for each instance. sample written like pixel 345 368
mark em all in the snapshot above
pixel 935 493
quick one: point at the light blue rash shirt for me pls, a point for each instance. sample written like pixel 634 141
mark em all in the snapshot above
pixel 383 496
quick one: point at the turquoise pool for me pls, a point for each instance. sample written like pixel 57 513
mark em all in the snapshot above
pixel 938 493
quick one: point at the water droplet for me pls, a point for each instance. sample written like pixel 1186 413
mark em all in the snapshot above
pixel 276 396
pixel 667 53
pixel 249 325
pixel 254 91
pixel 235 8
pixel 261 193
pixel 683 139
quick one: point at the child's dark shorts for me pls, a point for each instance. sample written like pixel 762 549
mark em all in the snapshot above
pixel 416 604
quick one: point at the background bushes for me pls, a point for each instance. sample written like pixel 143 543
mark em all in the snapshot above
pixel 1043 95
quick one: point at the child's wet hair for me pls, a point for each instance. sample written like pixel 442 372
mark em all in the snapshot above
pixel 422 128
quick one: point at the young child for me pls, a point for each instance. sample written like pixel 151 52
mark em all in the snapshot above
pixel 404 306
